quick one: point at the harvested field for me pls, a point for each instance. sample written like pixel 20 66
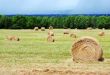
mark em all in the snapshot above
pixel 33 55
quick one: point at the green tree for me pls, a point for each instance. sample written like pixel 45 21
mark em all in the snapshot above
pixel 19 22
pixel 103 22
pixel 5 22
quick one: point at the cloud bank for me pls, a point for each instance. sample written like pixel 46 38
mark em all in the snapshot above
pixel 54 6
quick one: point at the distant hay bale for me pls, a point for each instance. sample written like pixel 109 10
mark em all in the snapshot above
pixel 13 38
pixel 103 28
pixel 73 35
pixel 51 33
pixel 50 39
pixel 36 29
pixel 76 28
pixel 97 28
pixel 86 49
pixel 50 28
pixel 42 28
pixel 101 33
pixel 66 31
pixel 89 28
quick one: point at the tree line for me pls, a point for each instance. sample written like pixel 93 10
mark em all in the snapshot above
pixel 29 22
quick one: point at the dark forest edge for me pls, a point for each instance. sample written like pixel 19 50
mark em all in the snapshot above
pixel 67 21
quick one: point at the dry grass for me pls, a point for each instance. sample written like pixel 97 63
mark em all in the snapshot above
pixel 33 54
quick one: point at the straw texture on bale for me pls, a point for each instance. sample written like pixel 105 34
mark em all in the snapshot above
pixel 86 49
pixel 13 38
pixel 50 39
pixel 101 34
pixel 36 29
pixel 42 28
pixel 50 28
pixel 66 31
pixel 51 33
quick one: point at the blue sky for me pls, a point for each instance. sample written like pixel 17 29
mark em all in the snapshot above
pixel 54 6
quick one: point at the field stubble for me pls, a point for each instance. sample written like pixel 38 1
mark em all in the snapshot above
pixel 33 55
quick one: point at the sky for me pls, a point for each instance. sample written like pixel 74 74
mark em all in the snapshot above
pixel 54 7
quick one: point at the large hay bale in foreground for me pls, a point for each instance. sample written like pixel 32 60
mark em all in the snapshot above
pixel 42 28
pixel 86 49
pixel 13 38
pixel 101 34
pixel 36 29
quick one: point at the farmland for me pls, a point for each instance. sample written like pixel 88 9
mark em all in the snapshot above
pixel 33 52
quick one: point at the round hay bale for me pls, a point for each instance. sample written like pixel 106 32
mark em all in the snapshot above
pixel 51 33
pixel 42 28
pixel 89 28
pixel 97 28
pixel 87 49
pixel 50 39
pixel 101 34
pixel 9 38
pixel 66 31
pixel 50 28
pixel 14 38
pixel 73 35
pixel 103 28
pixel 36 29
pixel 76 28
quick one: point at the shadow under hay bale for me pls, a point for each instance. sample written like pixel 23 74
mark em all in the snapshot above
pixel 87 49
pixel 36 29
pixel 13 38
pixel 50 38
pixel 101 34
pixel 42 28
